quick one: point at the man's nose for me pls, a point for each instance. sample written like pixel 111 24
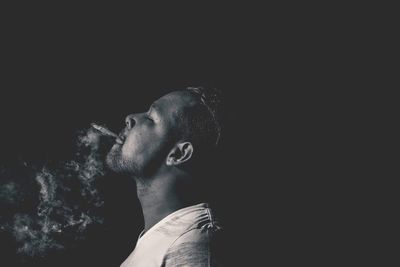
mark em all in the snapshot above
pixel 130 121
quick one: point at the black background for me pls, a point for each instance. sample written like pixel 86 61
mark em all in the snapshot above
pixel 65 67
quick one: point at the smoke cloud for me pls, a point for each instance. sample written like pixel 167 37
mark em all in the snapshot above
pixel 64 205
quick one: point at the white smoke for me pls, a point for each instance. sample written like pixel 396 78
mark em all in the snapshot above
pixel 34 235
pixel 10 192
pixel 59 215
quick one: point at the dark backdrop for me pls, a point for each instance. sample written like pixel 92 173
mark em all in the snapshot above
pixel 67 67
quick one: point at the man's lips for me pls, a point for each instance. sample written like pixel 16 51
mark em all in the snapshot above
pixel 120 139
pixel 122 136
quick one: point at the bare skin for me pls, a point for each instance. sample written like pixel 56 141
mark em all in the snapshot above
pixel 153 153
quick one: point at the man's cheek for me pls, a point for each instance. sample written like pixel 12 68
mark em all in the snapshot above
pixel 133 149
pixel 127 150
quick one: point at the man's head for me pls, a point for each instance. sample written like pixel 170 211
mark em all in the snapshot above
pixel 179 129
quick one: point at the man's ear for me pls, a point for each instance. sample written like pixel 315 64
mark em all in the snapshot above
pixel 181 153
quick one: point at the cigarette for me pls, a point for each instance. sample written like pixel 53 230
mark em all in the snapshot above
pixel 104 130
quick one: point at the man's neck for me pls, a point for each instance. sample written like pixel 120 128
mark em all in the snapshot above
pixel 158 199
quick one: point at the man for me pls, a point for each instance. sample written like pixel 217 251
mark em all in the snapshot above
pixel 165 150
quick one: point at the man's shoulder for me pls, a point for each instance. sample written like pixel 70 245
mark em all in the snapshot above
pixel 199 234
pixel 185 221
pixel 196 247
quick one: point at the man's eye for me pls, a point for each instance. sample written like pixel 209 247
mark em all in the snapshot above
pixel 149 118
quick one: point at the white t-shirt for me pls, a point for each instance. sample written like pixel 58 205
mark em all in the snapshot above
pixel 183 238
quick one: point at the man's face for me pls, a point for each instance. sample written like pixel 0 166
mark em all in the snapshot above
pixel 148 137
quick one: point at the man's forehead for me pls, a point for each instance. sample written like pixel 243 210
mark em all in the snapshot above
pixel 175 100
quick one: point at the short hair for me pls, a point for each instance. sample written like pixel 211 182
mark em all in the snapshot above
pixel 203 120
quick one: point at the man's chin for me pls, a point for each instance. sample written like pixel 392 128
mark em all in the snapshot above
pixel 116 163
pixel 114 160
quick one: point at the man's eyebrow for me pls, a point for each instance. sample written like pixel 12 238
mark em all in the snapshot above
pixel 155 107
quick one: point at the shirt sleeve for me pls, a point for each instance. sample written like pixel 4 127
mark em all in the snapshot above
pixel 194 249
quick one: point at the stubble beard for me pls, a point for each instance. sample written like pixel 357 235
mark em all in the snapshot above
pixel 128 166
pixel 118 164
